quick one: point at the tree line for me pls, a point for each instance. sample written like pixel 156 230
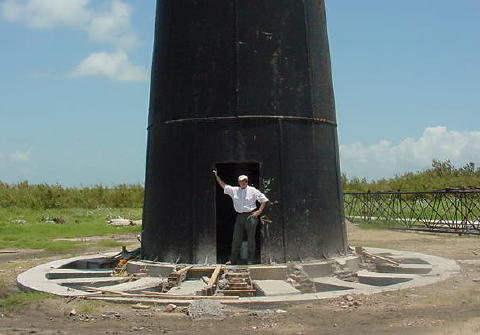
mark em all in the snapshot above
pixel 441 175
pixel 44 196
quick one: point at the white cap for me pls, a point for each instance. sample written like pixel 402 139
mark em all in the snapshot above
pixel 242 177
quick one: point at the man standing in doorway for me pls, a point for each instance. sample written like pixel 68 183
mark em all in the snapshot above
pixel 245 199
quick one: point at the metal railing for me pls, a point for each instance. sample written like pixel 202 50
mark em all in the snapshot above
pixel 449 210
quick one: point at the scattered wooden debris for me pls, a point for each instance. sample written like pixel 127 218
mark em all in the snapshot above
pixel 119 222
pixel 124 222
pixel 239 283
pixel 141 306
pixel 363 252
pixel 209 290
pixel 102 291
pixel 176 277
pixel 151 294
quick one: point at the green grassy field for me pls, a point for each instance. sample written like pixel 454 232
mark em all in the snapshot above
pixel 26 228
pixel 16 301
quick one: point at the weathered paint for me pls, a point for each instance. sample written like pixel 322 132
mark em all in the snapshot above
pixel 242 81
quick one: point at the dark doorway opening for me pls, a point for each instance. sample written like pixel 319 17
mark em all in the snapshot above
pixel 225 214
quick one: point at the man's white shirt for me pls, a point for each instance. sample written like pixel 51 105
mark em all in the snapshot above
pixel 244 200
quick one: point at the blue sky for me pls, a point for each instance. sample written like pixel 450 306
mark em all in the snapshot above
pixel 75 87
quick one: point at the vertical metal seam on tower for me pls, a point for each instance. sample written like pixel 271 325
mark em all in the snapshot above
pixel 307 52
pixel 236 41
pixel 282 187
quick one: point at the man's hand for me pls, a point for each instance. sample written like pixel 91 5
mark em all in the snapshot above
pixel 256 213
pixel 215 172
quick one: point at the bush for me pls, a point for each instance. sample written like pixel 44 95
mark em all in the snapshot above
pixel 442 174
pixel 43 196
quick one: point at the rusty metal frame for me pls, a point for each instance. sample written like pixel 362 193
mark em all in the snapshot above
pixel 450 210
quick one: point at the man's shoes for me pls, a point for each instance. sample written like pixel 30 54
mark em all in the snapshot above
pixel 228 263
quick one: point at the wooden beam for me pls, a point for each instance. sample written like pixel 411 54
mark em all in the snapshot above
pixel 360 250
pixel 214 277
pixel 185 297
pixel 156 295
pixel 183 270
pixel 89 288
pixel 237 291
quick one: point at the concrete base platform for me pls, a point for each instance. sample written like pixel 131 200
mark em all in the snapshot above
pixel 141 284
pixel 329 284
pixel 150 268
pixel 274 287
pixel 188 287
pixel 274 283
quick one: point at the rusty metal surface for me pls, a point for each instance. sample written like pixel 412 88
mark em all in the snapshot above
pixel 237 81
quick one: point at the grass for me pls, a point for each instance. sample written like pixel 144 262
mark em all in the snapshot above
pixel 87 307
pixel 35 229
pixel 44 196
pixel 110 243
pixel 16 301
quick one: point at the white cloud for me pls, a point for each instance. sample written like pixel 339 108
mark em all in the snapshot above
pixel 46 13
pixel 113 26
pixel 108 24
pixel 15 157
pixel 115 66
pixel 385 159
pixel 19 156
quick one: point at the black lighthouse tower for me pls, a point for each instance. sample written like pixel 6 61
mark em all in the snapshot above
pixel 243 86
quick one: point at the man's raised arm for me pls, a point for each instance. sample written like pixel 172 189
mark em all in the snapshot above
pixel 219 181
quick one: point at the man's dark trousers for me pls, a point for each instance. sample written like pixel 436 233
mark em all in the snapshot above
pixel 244 223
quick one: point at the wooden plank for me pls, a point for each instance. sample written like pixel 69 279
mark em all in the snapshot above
pixel 239 287
pixel 202 269
pixel 362 251
pixel 166 296
pixel 184 297
pixel 214 277
pixel 184 270
pixel 89 288
pixel 239 282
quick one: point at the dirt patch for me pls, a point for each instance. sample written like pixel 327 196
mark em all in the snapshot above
pixel 448 307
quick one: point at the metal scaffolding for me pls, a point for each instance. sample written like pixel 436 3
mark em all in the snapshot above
pixel 450 210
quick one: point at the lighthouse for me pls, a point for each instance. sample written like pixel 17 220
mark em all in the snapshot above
pixel 244 87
